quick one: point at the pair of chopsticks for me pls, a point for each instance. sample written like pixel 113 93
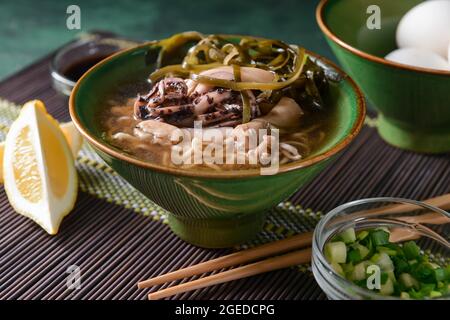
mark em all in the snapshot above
pixel 300 243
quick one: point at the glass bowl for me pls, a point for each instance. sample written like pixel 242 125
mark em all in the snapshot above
pixel 412 220
pixel 79 55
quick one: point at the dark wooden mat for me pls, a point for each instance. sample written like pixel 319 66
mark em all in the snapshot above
pixel 115 247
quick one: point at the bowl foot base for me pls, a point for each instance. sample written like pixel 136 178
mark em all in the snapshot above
pixel 413 139
pixel 217 233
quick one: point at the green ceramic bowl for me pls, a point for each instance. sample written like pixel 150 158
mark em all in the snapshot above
pixel 413 103
pixel 208 209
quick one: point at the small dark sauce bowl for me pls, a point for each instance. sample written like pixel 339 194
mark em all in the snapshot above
pixel 73 60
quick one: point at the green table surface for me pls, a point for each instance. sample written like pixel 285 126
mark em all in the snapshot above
pixel 31 29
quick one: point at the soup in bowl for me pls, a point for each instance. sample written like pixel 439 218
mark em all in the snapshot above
pixel 217 129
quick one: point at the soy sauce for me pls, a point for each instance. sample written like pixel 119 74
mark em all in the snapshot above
pixel 78 68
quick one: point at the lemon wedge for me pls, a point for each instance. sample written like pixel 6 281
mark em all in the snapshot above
pixel 39 171
pixel 73 137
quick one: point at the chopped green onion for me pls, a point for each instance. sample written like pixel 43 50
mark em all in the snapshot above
pixel 379 237
pixel 387 289
pixel 426 289
pixel 363 251
pixel 405 271
pixel 336 252
pixel 413 262
pixel 353 256
pixel 416 294
pixel 405 295
pixel 362 234
pixel 337 267
pixel 359 271
pixel 348 235
pixel 348 268
pixel 384 277
pixel 435 294
pixel 388 251
pixel 383 261
pixel 440 274
pixel 408 281
pixel 424 273
pixel 400 265
pixel 411 250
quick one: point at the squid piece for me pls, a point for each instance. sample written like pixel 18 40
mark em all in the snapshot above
pixel 158 132
pixel 285 115
pixel 181 102
pixel 248 74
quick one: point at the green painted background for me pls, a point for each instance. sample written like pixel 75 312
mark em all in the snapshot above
pixel 30 29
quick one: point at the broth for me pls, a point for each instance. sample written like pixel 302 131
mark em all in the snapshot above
pixel 117 117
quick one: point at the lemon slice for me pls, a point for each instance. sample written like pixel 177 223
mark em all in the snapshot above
pixel 73 137
pixel 38 167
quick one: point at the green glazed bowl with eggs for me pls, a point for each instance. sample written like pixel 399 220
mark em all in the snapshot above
pixel 208 208
pixel 413 102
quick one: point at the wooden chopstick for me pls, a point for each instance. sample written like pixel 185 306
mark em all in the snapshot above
pixel 270 264
pixel 427 218
pixel 237 258
pixel 442 202
pixel 279 262
pixel 275 263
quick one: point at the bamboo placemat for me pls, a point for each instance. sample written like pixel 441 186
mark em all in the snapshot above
pixel 117 237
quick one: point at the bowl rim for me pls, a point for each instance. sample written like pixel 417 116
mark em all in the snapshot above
pixel 320 256
pixel 229 174
pixel 327 31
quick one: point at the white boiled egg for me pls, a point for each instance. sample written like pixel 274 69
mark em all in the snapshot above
pixel 418 58
pixel 426 26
